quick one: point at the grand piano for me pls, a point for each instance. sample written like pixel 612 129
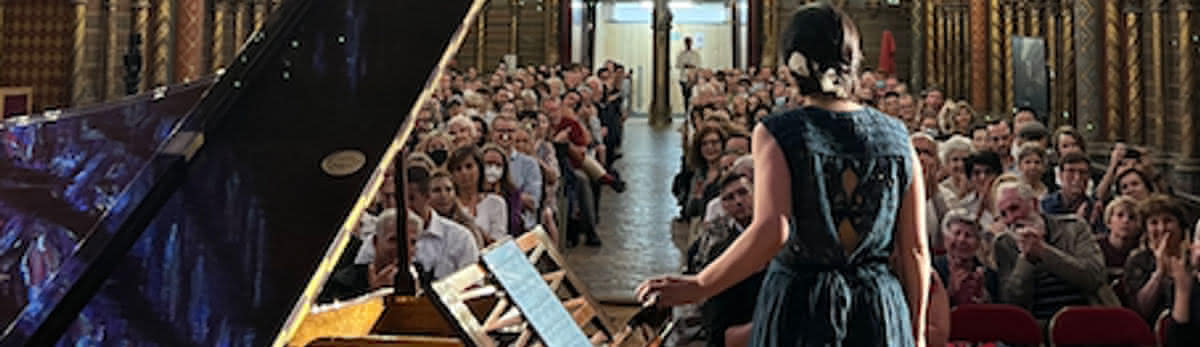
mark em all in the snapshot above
pixel 210 213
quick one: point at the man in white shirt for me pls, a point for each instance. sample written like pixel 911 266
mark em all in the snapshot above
pixel 687 62
pixel 524 171
pixel 444 246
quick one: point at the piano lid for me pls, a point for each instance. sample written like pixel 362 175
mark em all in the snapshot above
pixel 228 246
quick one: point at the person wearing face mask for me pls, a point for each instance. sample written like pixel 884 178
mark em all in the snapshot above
pixel 527 174
pixel 496 180
pixel 435 145
pixel 489 211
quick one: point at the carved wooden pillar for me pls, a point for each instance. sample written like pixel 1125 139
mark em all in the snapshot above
pixel 220 8
pixel 1155 97
pixel 943 48
pixel 979 59
pixel 141 24
pixel 1050 10
pixel 550 13
pixel 113 62
pixel 1035 19
pixel 960 57
pixel 1089 56
pixel 260 14
pixel 79 90
pixel 1133 71
pixel 660 100
pixel 1185 78
pixel 159 74
pixel 514 11
pixel 480 37
pixel 916 70
pixel 2 51
pixel 1066 68
pixel 240 29
pixel 996 78
pixel 189 36
pixel 931 48
pixel 1020 14
pixel 1009 14
pixel 770 32
pixel 1113 123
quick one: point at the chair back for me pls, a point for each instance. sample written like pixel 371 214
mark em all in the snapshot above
pixel 1088 325
pixel 1160 327
pixel 977 323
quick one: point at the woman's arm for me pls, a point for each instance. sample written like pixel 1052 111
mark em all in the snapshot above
pixel 767 233
pixel 912 252
pixel 939 314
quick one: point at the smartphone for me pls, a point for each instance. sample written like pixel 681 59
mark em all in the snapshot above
pixel 1133 153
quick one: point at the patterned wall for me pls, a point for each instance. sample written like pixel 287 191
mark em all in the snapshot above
pixel 37 49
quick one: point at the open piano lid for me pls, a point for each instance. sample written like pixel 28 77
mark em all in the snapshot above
pixel 116 230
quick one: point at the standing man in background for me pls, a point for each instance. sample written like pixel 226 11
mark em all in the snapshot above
pixel 687 62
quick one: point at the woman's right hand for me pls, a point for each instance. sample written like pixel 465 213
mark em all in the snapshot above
pixel 670 290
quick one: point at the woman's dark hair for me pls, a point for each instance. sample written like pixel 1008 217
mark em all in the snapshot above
pixel 1069 131
pixel 988 159
pixel 460 158
pixel 820 39
pixel 695 159
pixel 1141 175
pixel 1158 204
pixel 505 183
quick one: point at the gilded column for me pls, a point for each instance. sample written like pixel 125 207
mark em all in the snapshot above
pixel 113 67
pixel 942 53
pixel 260 14
pixel 770 33
pixel 1019 11
pixel 550 13
pixel 481 36
pixel 1035 19
pixel 660 100
pixel 240 29
pixel 141 24
pixel 1133 71
pixel 1186 80
pixel 1 34
pixel 1155 97
pixel 917 71
pixel 1051 12
pixel 189 36
pixel 162 43
pixel 931 49
pixel 1088 80
pixel 1066 68
pixel 1112 72
pixel 996 81
pixel 514 10
pixel 1009 13
pixel 79 90
pixel 960 56
pixel 979 59
pixel 220 8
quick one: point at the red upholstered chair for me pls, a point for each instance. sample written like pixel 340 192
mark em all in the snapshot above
pixel 1160 327
pixel 1110 326
pixel 993 322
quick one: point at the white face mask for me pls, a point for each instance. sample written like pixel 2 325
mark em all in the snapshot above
pixel 492 173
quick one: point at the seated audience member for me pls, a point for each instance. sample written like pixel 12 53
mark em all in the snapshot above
pixel 982 169
pixel 743 165
pixel 727 315
pixel 444 246
pixel 1182 326
pixel 738 140
pixel 953 154
pixel 498 180
pixel 358 279
pixel 704 164
pixel 968 280
pixel 1072 196
pixel 1024 116
pixel 927 153
pixel 999 140
pixel 489 212
pixel 526 172
pixel 1124 225
pixel 443 198
pixel 979 138
pixel 1046 262
pixel 1148 282
pixel 1031 164
pixel 461 130
pixel 436 145
pixel 1133 183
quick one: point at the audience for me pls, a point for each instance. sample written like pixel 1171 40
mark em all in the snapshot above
pixel 1046 262
pixel 489 212
pixel 969 280
pixel 1124 225
pixel 727 315
pixel 1148 277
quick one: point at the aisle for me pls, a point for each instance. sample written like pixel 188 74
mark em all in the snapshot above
pixel 635 226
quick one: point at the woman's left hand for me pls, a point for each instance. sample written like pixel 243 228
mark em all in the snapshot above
pixel 670 290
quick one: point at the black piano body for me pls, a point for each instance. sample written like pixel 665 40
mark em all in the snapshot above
pixel 209 213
